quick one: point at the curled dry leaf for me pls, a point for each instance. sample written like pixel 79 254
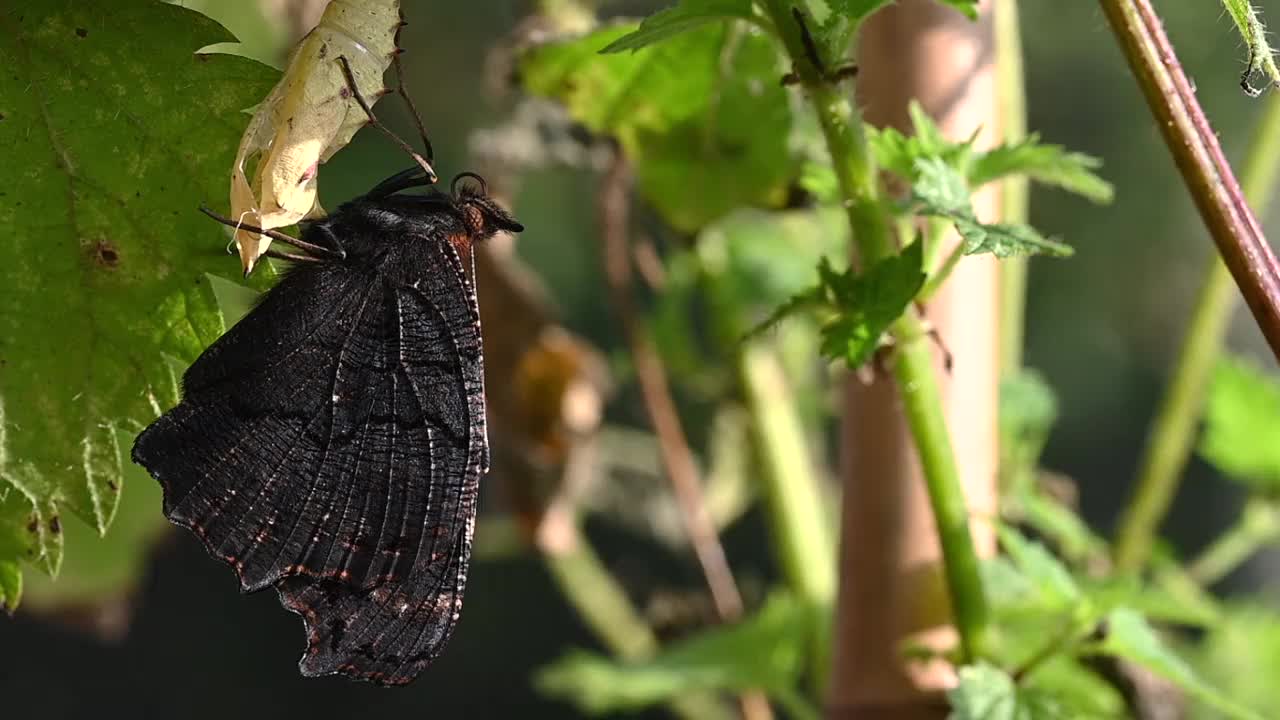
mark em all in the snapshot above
pixel 309 116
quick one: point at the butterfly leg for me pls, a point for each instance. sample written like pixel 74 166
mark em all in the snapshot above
pixel 316 251
pixel 374 121
pixel 291 257
pixel 413 109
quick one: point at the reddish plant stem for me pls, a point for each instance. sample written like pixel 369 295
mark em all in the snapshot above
pixel 1199 157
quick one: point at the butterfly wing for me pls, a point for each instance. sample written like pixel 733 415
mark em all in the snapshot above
pixel 336 432
pixel 390 631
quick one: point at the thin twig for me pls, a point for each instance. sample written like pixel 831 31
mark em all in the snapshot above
pixel 1199 157
pixel 615 206
pixel 614 211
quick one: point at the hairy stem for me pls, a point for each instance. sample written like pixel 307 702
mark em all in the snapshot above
pixel 855 169
pixel 1172 434
pixel 1199 157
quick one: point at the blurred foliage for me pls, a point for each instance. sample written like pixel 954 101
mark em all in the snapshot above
pixel 1241 434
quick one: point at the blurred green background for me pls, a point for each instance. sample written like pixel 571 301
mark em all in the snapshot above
pixel 1102 327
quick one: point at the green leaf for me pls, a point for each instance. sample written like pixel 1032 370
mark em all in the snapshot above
pixel 685 16
pixel 1242 425
pixel 764 651
pixel 859 307
pixel 10 586
pixel 101 568
pixel 1050 582
pixel 1069 533
pixel 1241 656
pixel 1261 57
pixel 677 109
pixel 1028 410
pixel 1005 240
pixel 940 190
pixel 1152 600
pixel 900 153
pixel 1129 637
pixel 986 692
pixel 968 7
pixel 108 155
pixel 1047 164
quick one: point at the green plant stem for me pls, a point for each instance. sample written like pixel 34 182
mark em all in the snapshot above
pixel 855 169
pixel 603 605
pixel 791 493
pixel 1195 148
pixel 1258 525
pixel 939 276
pixel 792 498
pixel 1172 434
pixel 1015 190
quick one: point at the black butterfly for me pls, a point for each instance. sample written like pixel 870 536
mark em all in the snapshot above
pixel 331 442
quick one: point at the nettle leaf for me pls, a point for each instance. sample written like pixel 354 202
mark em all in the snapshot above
pixel 1241 656
pixel 108 154
pixel 940 191
pixel 764 651
pixel 1048 580
pixel 1129 637
pixel 99 569
pixel 858 308
pixel 1242 425
pixel 900 153
pixel 677 109
pixel 685 16
pixel 1045 164
pixel 986 692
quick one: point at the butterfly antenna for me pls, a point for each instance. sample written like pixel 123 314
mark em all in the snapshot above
pixel 374 121
pixel 404 95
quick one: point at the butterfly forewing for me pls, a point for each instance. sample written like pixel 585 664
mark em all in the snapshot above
pixel 331 444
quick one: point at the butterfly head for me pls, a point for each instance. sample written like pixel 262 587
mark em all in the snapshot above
pixel 481 216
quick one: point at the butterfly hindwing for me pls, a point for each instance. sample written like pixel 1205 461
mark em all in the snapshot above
pixel 331 446
pixel 389 631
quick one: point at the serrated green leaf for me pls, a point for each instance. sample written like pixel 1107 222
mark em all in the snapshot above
pixel 1241 657
pixel 677 109
pixel 764 651
pixel 859 307
pixel 108 155
pixel 900 153
pixel 1046 164
pixel 1242 425
pixel 1129 637
pixel 682 17
pixel 1005 240
pixel 940 190
pixel 101 568
pixel 986 692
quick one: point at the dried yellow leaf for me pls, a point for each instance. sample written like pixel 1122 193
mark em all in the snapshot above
pixel 309 116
